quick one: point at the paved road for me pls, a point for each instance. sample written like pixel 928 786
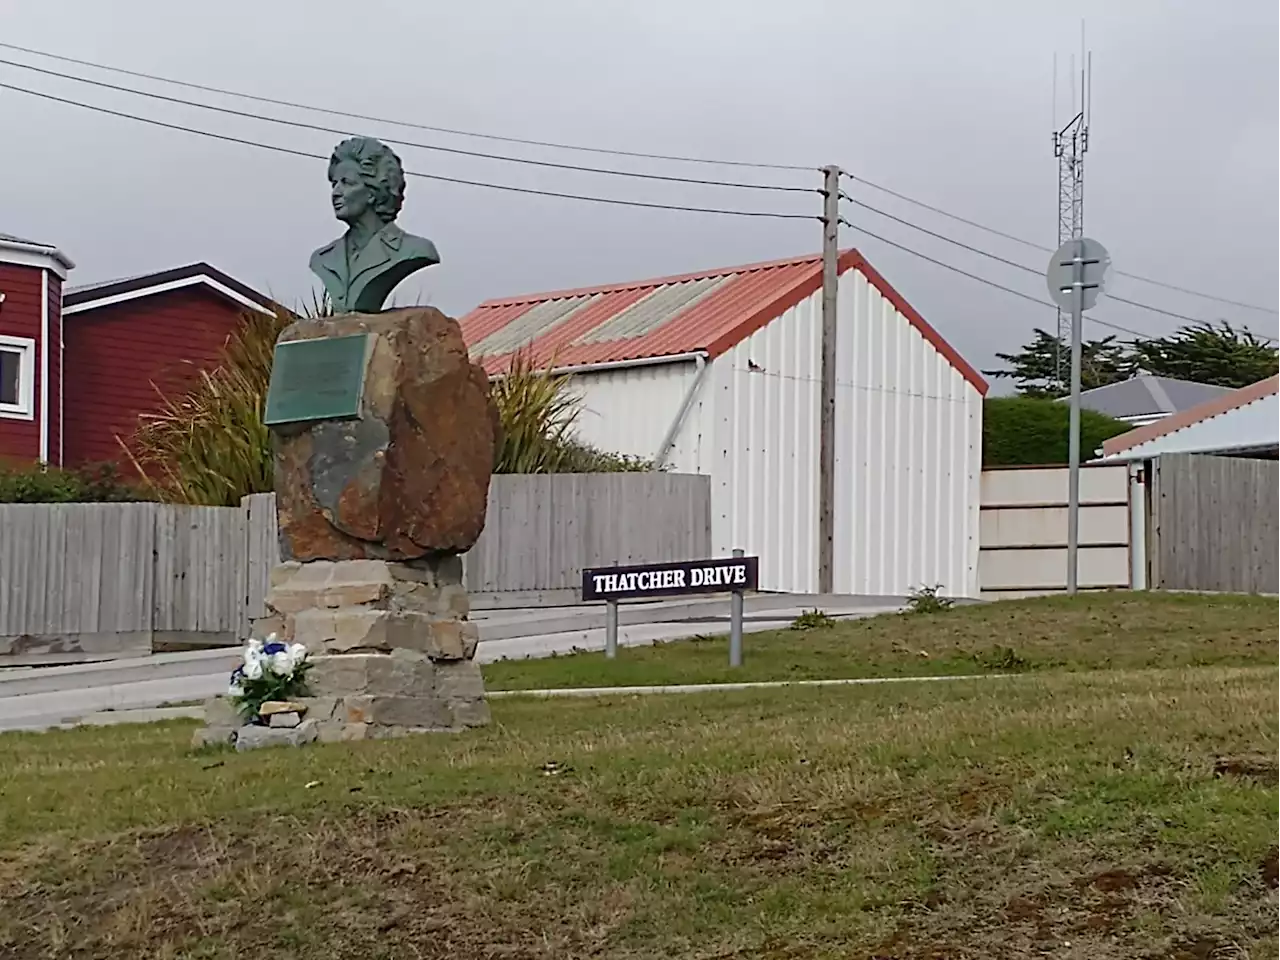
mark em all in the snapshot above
pixel 43 697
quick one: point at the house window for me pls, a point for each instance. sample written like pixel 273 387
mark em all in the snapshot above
pixel 17 378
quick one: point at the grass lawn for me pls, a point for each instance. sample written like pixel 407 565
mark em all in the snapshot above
pixel 1089 632
pixel 1112 813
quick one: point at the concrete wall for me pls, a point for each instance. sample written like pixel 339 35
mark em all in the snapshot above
pixel 1023 538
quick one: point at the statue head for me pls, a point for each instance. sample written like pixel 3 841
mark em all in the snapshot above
pixel 365 176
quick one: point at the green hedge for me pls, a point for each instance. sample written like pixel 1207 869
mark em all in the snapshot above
pixel 34 483
pixel 1029 431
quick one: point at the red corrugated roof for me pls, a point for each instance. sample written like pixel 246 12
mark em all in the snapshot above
pixel 722 316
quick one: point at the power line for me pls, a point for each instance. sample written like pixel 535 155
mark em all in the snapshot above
pixel 411 173
pixel 581 148
pixel 405 123
pixel 1024 267
pixel 940 236
pixel 1038 246
pixel 990 283
pixel 457 151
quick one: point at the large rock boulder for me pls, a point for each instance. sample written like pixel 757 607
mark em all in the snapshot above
pixel 408 477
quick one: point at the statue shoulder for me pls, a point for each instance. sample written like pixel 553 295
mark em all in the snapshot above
pixel 324 255
pixel 418 248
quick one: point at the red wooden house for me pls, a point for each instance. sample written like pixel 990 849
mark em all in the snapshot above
pixel 79 365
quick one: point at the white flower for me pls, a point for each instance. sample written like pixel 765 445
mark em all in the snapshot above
pixel 235 690
pixel 253 668
pixel 282 664
pixel 256 645
pixel 297 653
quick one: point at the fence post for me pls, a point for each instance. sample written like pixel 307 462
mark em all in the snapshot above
pixel 735 623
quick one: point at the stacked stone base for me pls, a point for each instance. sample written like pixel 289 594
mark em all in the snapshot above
pixel 391 649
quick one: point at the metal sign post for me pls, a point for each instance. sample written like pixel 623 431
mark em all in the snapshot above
pixel 1076 276
pixel 735 625
pixel 611 629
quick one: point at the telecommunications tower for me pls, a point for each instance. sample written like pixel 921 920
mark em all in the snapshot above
pixel 1070 144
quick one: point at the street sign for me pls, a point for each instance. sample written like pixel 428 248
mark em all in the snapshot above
pixel 1061 275
pixel 733 575
pixel 681 578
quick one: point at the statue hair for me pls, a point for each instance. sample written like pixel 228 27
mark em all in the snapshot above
pixel 380 169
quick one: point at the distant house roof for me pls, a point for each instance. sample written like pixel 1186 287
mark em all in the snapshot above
pixel 39 254
pixel 1243 420
pixel 1145 398
pixel 709 311
pixel 94 295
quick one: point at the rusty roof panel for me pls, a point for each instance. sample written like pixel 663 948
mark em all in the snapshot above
pixel 538 320
pixel 669 316
pixel 650 312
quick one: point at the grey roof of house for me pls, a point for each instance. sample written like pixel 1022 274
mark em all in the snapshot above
pixel 12 239
pixel 90 292
pixel 1146 395
pixel 100 284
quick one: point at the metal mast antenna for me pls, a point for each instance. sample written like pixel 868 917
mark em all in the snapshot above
pixel 1070 144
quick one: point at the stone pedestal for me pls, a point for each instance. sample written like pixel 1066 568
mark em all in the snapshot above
pixel 391 647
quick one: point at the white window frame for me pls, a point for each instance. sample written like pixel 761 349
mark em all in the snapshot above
pixel 25 408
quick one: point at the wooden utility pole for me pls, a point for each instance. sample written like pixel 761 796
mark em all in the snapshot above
pixel 827 398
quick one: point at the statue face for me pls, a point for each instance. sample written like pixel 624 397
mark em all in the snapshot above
pixel 351 197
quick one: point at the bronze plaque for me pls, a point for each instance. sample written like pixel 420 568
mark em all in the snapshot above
pixel 321 379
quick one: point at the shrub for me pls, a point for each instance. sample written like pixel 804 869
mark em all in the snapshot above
pixel 1031 431
pixel 928 600
pixel 209 446
pixel 538 410
pixel 813 620
pixel 38 483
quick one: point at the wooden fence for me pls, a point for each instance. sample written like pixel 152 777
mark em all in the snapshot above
pixel 79 581
pixel 1214 524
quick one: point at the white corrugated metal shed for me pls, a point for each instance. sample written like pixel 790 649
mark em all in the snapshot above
pixel 1242 421
pixel 718 373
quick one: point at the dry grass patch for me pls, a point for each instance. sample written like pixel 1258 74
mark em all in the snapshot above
pixel 1068 815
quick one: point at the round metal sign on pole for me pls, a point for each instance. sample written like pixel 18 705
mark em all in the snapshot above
pixel 1076 276
pixel 1061 276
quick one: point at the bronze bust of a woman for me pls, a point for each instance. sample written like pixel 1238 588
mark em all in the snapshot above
pixel 361 268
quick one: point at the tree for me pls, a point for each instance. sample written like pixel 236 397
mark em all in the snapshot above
pixel 1033 431
pixel 1207 353
pixel 1037 366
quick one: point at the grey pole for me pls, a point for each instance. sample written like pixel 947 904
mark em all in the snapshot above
pixel 1073 442
pixel 827 396
pixel 611 629
pixel 735 624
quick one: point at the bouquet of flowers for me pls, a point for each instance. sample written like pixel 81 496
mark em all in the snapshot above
pixel 271 671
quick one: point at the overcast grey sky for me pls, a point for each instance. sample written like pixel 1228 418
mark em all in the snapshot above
pixel 946 102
